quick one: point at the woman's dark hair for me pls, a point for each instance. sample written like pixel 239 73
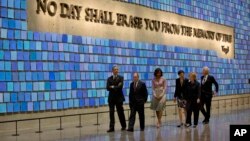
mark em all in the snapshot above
pixel 180 71
pixel 157 71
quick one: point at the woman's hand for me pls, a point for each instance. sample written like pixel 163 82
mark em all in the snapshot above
pixel 159 98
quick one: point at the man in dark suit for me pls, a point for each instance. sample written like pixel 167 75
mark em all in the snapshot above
pixel 207 93
pixel 180 96
pixel 138 95
pixel 116 98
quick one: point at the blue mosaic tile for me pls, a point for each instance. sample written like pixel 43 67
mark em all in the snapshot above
pixel 71 71
pixel 16 107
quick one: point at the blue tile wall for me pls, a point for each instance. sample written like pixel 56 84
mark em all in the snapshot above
pixel 49 71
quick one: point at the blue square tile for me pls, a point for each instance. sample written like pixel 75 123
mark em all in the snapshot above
pixel 30 106
pixel 4 12
pixel 76 103
pixel 1 98
pixel 23 17
pixel 21 97
pixel 36 106
pixel 60 104
pixel 3 108
pixel 73 84
pixel 28 74
pixel 24 106
pixel 40 96
pixel 34 96
pixel 2 76
pixel 48 105
pixel 17 4
pixel 10 35
pixel 54 105
pixel 46 96
pixel 17 107
pixel 79 94
pixel 42 106
pixel 92 102
pixel 47 85
pixel 81 103
pixel 65 104
pixel 58 95
pixel 3 87
pixel 71 103
pixel 4 3
pixel 51 76
pixel 27 97
pixel 64 38
pixel 87 102
pixel 13 97
pixel 10 107
pixel 64 95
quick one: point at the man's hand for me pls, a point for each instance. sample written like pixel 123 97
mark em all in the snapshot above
pixel 198 100
pixel 111 86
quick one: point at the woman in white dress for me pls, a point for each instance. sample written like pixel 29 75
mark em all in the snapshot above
pixel 159 87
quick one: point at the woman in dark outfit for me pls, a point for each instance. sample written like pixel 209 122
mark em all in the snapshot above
pixel 193 99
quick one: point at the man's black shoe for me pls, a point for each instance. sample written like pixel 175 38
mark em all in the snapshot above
pixel 110 130
pixel 130 130
pixel 123 128
pixel 206 122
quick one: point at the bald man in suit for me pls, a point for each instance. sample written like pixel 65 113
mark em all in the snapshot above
pixel 138 95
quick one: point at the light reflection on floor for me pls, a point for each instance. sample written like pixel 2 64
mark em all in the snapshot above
pixel 216 130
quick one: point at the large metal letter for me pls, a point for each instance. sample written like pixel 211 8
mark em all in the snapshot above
pixel 52 13
pixel 41 4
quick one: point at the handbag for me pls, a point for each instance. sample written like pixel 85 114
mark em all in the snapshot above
pixel 182 103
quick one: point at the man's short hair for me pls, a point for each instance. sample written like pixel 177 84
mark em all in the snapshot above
pixel 180 72
pixel 115 66
pixel 206 69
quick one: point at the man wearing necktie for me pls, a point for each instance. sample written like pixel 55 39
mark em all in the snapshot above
pixel 207 93
pixel 138 95
pixel 116 99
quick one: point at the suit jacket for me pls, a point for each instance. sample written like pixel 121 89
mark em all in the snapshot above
pixel 193 91
pixel 138 95
pixel 115 94
pixel 180 91
pixel 206 88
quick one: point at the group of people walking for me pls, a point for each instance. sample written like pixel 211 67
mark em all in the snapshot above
pixel 190 95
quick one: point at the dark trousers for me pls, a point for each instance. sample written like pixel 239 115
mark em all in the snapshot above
pixel 193 107
pixel 133 109
pixel 120 112
pixel 206 100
